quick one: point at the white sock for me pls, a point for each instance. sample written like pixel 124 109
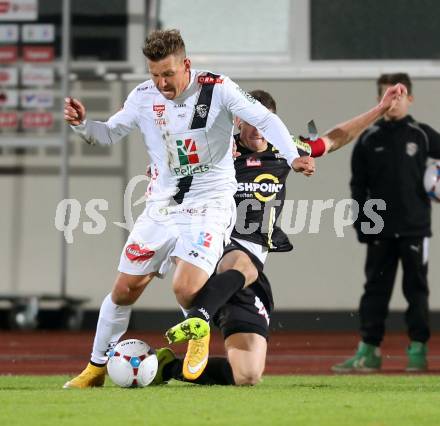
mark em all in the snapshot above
pixel 184 311
pixel 112 324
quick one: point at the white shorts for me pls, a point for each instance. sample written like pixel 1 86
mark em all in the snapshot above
pixel 195 233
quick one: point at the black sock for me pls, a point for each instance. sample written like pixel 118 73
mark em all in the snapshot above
pixel 96 364
pixel 215 293
pixel 173 370
pixel 218 371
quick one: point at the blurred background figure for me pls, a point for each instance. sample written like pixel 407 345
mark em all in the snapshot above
pixel 388 163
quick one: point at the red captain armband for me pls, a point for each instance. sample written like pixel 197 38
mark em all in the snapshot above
pixel 317 147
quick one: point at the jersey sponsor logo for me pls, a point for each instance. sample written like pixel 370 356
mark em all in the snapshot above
pixel 135 253
pixel 265 187
pixel 187 151
pixel 205 239
pixel 253 162
pixel 159 110
pixel 411 148
pixel 209 80
pixel 160 121
pixel 179 105
pixel 261 309
pixel 191 170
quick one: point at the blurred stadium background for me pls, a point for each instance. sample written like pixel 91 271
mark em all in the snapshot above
pixel 319 59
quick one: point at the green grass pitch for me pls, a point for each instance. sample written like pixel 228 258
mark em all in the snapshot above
pixel 282 400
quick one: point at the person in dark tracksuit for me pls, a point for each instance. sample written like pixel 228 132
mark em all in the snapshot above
pixel 388 163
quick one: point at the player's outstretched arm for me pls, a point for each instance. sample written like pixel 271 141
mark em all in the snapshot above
pixel 98 132
pixel 345 132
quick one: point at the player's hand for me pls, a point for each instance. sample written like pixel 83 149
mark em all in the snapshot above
pixel 391 96
pixel 304 165
pixel 74 111
pixel 235 153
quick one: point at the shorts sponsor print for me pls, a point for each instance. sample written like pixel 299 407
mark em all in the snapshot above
pixel 179 231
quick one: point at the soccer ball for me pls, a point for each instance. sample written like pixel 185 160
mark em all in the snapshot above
pixel 132 364
pixel 432 181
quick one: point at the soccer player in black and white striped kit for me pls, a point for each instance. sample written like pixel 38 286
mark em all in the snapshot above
pixel 241 303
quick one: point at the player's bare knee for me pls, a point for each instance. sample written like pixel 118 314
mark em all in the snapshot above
pixel 247 378
pixel 127 290
pixel 239 261
pixel 250 274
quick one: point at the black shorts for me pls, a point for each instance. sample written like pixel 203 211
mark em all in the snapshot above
pixel 248 311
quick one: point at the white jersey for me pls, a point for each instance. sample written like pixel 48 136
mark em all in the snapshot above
pixel 189 139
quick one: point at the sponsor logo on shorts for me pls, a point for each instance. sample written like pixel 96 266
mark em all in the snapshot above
pixel 193 253
pixel 205 239
pixel 137 254
pixel 261 309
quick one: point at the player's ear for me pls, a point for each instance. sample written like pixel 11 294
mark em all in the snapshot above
pixel 187 64
pixel 237 123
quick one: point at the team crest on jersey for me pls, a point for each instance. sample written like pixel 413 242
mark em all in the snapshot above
pixel 202 110
pixel 159 110
pixel 205 239
pixel 411 148
pixel 253 162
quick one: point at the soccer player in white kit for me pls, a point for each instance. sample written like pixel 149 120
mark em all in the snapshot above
pixel 185 117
